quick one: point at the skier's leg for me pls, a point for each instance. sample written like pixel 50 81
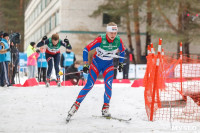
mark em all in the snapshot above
pixel 39 74
pixel 44 74
pixel 50 65
pixel 108 74
pixel 93 74
pixel 56 65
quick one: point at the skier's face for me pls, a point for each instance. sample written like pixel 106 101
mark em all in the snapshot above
pixel 112 35
pixel 55 42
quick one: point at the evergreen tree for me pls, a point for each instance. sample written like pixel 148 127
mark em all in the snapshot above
pixel 12 17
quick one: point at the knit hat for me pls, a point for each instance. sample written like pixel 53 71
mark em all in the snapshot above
pixel 69 47
pixel 32 43
pixel 5 34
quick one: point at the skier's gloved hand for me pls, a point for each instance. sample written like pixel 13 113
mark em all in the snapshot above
pixel 120 67
pixel 60 73
pixel 44 38
pixel 66 41
pixel 86 68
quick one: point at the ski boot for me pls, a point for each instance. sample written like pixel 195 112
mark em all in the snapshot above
pixel 105 110
pixel 73 110
pixel 58 82
pixel 47 82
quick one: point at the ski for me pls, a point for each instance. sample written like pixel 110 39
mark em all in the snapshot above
pixel 113 118
pixel 68 118
pixel 47 84
pixel 59 84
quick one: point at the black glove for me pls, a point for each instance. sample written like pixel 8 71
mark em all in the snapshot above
pixel 8 49
pixel 120 67
pixel 38 51
pixel 66 41
pixel 44 38
pixel 86 68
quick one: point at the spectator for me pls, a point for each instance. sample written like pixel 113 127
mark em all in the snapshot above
pixel 32 56
pixel 126 64
pixel 67 59
pixel 4 59
pixel 42 65
pixel 74 78
pixel 15 61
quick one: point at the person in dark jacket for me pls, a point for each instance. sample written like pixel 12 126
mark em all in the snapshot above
pixel 15 61
pixel 126 64
pixel 74 78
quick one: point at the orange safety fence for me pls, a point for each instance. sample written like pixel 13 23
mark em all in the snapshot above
pixel 172 86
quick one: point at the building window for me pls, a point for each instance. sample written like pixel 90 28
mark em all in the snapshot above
pixel 43 30
pixel 43 4
pixel 39 8
pixel 57 18
pixel 47 27
pixel 47 2
pixel 53 21
pixel 108 18
pixel 50 23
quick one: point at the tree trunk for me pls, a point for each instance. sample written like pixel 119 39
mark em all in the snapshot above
pixel 129 36
pixel 148 28
pixel 187 48
pixel 137 30
pixel 180 25
pixel 185 23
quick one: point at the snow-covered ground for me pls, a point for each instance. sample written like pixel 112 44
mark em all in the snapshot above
pixel 43 110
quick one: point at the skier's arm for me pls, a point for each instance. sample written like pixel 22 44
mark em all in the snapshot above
pixel 91 46
pixel 66 43
pixel 43 42
pixel 121 51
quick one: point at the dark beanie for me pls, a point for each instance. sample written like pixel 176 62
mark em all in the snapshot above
pixel 5 34
pixel 69 47
pixel 32 43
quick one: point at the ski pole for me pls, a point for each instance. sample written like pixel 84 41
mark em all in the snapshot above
pixel 61 73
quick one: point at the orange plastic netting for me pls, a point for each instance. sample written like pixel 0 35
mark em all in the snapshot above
pixel 172 88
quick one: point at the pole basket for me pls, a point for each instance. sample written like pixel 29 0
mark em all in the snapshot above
pixel 172 88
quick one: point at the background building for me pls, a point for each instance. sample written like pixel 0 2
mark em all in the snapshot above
pixel 69 18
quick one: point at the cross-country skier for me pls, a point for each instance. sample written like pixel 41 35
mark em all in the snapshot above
pixel 53 53
pixel 107 45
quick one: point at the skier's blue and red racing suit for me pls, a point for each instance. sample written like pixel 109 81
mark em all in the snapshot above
pixel 106 50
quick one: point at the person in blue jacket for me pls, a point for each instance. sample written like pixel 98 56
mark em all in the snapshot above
pixel 67 59
pixel 4 60
pixel 42 65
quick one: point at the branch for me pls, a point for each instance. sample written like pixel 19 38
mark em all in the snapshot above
pixel 165 18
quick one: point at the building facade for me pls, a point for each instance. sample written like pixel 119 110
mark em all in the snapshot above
pixel 69 18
